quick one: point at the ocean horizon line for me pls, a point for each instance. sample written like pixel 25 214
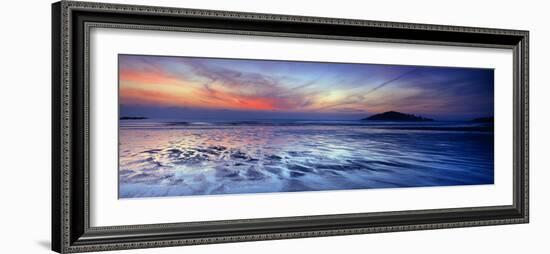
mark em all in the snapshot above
pixel 277 119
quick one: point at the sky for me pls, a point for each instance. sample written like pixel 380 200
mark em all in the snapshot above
pixel 171 87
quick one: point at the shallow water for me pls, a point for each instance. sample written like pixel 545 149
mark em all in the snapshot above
pixel 163 158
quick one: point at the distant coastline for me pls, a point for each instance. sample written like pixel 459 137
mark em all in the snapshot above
pixel 389 116
pixel 133 118
pixel 484 120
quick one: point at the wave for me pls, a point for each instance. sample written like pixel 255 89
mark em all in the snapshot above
pixel 411 126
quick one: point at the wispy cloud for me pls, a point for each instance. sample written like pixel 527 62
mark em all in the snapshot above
pixel 281 86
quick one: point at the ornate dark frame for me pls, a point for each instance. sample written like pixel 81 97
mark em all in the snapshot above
pixel 71 23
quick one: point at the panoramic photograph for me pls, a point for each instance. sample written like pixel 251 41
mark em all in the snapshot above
pixel 215 126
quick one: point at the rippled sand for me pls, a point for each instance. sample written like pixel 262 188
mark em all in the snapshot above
pixel 224 159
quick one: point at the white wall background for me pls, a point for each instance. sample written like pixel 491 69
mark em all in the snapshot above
pixel 25 125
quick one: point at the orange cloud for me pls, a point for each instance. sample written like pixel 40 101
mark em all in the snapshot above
pixel 148 97
pixel 155 77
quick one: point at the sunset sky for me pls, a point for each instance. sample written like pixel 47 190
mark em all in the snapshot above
pixel 224 89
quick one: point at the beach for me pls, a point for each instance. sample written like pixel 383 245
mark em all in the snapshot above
pixel 161 158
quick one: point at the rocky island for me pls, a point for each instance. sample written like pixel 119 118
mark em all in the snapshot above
pixel 397 116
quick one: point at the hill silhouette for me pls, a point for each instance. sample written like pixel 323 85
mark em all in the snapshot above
pixel 397 116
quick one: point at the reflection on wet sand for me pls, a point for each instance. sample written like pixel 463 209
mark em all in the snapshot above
pixel 186 159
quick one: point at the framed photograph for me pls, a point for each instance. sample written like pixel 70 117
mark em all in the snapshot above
pixel 181 126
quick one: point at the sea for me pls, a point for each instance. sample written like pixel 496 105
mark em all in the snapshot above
pixel 163 158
